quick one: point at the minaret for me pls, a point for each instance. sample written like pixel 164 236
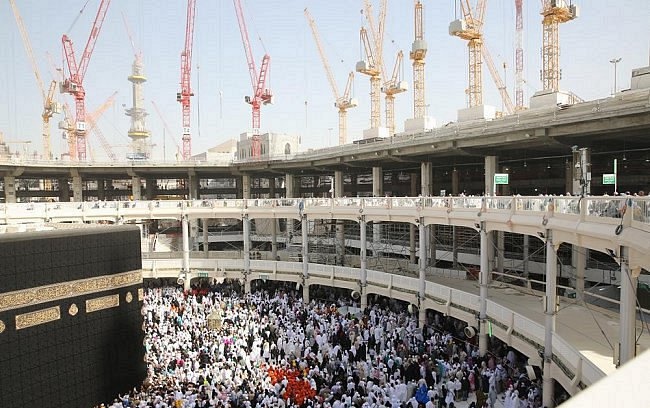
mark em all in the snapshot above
pixel 140 145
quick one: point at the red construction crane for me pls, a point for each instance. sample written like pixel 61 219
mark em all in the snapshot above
pixel 261 94
pixel 186 87
pixel 74 84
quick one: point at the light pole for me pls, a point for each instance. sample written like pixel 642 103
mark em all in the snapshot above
pixel 615 61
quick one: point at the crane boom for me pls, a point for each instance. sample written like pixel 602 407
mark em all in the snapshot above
pixel 252 70
pixel 321 52
pixel 503 91
pixel 186 85
pixel 74 84
pixel 28 47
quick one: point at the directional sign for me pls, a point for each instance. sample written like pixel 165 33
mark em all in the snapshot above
pixel 202 274
pixel 609 179
pixel 501 178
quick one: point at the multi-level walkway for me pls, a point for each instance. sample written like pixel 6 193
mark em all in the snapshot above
pixel 577 340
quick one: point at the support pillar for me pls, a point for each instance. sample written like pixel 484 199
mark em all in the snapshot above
pixel 291 191
pixel 629 283
pixel 490 170
pixel 412 252
pixel 455 182
pixel 431 244
pixel 136 188
pixel 247 249
pixel 150 189
pixel 426 179
pixel 550 307
pixel 101 189
pixel 501 248
pixel 363 254
pixel 246 186
pixel 579 263
pixel 186 252
pixel 206 237
pixel 340 225
pixel 454 247
pixel 305 259
pixel 10 189
pixel 64 190
pixel 484 278
pixel 193 189
pixel 377 191
pixel 526 251
pixel 274 223
pixel 77 189
pixel 422 267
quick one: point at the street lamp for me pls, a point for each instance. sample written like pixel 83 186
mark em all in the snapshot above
pixel 615 61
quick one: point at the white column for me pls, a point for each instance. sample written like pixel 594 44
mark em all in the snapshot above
pixel 136 188
pixel 526 255
pixel 206 237
pixel 454 247
pixel 501 246
pixel 274 222
pixel 579 261
pixel 247 247
pixel 186 251
pixel 490 170
pixel 412 252
pixel 10 189
pixel 77 189
pixel 431 244
pixel 363 254
pixel 305 259
pixel 422 266
pixel 426 179
pixel 484 276
pixel 246 186
pixel 377 191
pixel 627 336
pixel 549 323
pixel 340 225
pixel 290 189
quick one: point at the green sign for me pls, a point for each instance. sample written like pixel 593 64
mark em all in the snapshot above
pixel 501 178
pixel 609 179
pixel 203 274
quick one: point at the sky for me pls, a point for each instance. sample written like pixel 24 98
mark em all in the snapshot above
pixel 304 104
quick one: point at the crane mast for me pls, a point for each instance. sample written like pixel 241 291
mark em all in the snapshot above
pixel 418 54
pixel 186 86
pixel 470 28
pixel 74 84
pixel 342 103
pixel 261 94
pixel 519 56
pixel 370 67
pixel 392 87
pixel 554 12
pixel 50 106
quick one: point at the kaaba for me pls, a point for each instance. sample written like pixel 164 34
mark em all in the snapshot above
pixel 70 316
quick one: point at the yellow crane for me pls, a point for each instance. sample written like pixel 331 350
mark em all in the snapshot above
pixel 470 28
pixel 92 122
pixel 50 107
pixel 393 86
pixel 370 67
pixel 342 103
pixel 503 91
pixel 554 12
pixel 418 54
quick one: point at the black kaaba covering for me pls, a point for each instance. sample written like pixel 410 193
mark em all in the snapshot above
pixel 77 361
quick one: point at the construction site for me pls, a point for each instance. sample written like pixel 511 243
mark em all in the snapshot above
pixel 71 133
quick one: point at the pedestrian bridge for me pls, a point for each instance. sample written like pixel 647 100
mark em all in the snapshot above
pixel 583 338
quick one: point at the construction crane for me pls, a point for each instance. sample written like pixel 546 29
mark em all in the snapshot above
pixel 470 28
pixel 342 103
pixel 418 54
pixel 74 84
pixel 369 66
pixel 186 87
pixel 519 55
pixel 393 86
pixel 554 12
pixel 261 94
pixel 92 125
pixel 503 91
pixel 50 106
pixel 166 126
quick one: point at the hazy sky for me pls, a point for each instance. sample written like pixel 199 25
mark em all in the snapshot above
pixel 303 100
